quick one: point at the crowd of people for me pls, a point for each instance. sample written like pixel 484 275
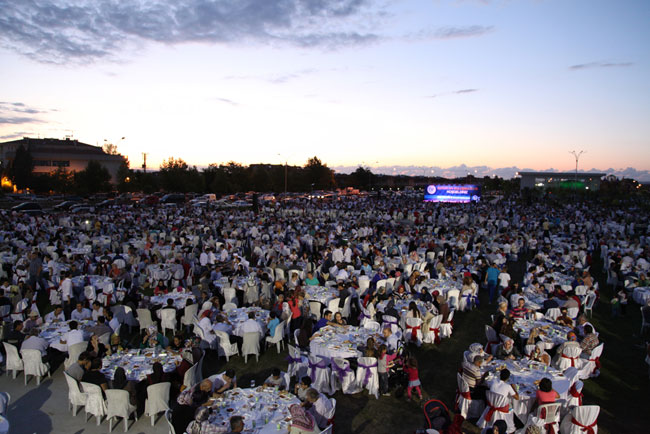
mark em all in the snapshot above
pixel 405 265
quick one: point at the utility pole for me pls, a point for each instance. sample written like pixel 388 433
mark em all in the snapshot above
pixel 577 157
pixel 144 161
pixel 285 178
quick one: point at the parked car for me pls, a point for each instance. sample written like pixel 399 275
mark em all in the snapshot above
pixel 173 198
pixel 31 208
pixel 66 204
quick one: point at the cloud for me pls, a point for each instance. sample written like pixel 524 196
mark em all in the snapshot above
pixel 600 65
pixel 454 32
pixel 17 135
pixel 62 31
pixel 5 120
pixel 225 100
pixel 454 92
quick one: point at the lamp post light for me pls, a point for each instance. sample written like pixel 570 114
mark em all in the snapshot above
pixel 577 157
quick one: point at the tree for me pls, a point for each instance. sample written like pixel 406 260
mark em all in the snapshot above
pixel 93 179
pixel 110 148
pixel 362 177
pixel 21 168
pixel 125 177
pixel 318 175
pixel 176 175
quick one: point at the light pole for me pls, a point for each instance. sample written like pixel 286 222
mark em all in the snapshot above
pixel 577 157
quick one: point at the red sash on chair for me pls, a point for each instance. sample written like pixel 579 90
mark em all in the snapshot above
pixel 596 364
pixel 574 392
pixel 589 429
pixel 492 410
pixel 436 332
pixel 465 395
pixel 414 332
pixel 548 427
pixel 573 360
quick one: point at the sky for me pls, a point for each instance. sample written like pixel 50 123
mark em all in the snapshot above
pixel 409 86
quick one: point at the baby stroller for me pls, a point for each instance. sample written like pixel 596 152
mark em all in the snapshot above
pixel 397 378
pixel 438 418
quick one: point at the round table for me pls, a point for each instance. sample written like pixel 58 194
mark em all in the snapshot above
pixel 53 332
pixel 239 315
pixel 137 363
pixel 524 373
pixel 321 294
pixel 265 409
pixel 552 334
pixel 180 299
pixel 331 341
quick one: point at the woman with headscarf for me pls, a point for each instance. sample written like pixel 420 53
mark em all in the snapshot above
pixel 301 420
pixel 152 338
pixel 120 382
pixel 201 423
pixel 507 350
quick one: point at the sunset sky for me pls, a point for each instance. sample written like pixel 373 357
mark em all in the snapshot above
pixel 384 83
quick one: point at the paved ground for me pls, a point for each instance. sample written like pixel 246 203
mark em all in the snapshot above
pixel 44 409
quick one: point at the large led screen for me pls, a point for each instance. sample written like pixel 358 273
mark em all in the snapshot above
pixel 452 193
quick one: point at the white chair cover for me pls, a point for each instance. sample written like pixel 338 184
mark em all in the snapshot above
pixel 118 405
pixel 251 345
pixel 553 313
pixel 298 363
pixel 252 294
pixel 189 313
pixel 367 377
pixel 320 373
pixel 95 404
pixel 374 326
pixel 73 353
pixel 168 319
pixel 144 318
pixel 34 365
pixel 492 412
pixel 276 339
pixel 314 308
pixel 229 295
pixel 467 406
pixel 433 331
pixel 227 307
pixel 190 377
pixel 548 415
pixel 390 321
pixel 157 400
pixel 570 357
pixel 589 368
pixel 90 293
pixel 413 332
pixel 574 394
pixel 492 339
pixel 333 305
pixel 76 398
pixel 446 328
pixel 14 362
pixel 579 418
pixel 573 312
pixel 343 377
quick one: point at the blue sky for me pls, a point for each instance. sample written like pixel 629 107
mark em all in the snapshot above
pixel 494 84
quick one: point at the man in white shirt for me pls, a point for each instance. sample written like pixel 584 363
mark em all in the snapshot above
pixel 249 326
pixel 504 278
pixel 56 315
pixel 97 311
pixel 321 407
pixel 113 322
pixel 80 313
pixel 337 255
pixel 224 381
pixel 74 336
pixel 502 388
pixel 66 289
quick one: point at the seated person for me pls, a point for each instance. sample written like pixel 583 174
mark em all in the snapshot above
pixel 80 313
pixel 590 341
pixel 74 336
pixel 79 368
pixel 224 381
pixel 56 315
pixel 319 406
pixel 101 327
pixel 300 389
pixel 94 376
pixel 475 380
pixel 507 350
pixel 324 321
pixel 120 382
pixel 501 386
pixel 273 323
pixel 564 318
pixel 546 394
pixel 96 348
pixel 539 354
pixel 302 420
pixel 520 311
pixel 276 379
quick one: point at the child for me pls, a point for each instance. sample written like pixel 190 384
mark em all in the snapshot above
pixel 276 380
pixel 302 387
pixel 382 369
pixel 411 370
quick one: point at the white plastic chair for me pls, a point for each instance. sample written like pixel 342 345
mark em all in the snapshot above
pixel 589 304
pixel 570 357
pixel 574 394
pixel 168 418
pixel 373 326
pixel 552 313
pixel 95 404
pixel 105 339
pixel 548 416
pixel 230 295
pixel 190 377
pixel 168 320
pixel 573 312
pixel 333 305
pixel 367 377
pixel 188 314
pixel 343 377
pixel 345 312
pixel 14 363
pixel 320 373
pixel 157 400
pixel 492 339
pixel 452 298
pixel 494 403
pixel 467 406
pixel 144 318
pixel 34 365
pixel 413 332
pixel 224 347
pixel 76 398
pixel 251 346
pixel 315 308
pixel 227 307
pixel 118 405
pixel 276 339
pixel 580 419
pixel 73 353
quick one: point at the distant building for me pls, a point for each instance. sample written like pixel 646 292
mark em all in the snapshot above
pixel 569 180
pixel 50 154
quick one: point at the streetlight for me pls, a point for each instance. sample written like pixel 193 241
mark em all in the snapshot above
pixel 577 157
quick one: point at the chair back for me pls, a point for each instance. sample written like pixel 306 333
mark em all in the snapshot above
pixel 251 343
pixel 278 332
pixel 597 352
pixel 105 339
pixel 73 353
pixel 33 363
pixel 144 318
pixel 14 362
pixel 333 305
pixel 462 384
pixel 157 398
pixel 168 418
pixel 497 400
pixel 549 413
pixel 168 316
pixel 491 334
pixel 314 308
pixel 552 313
pixel 189 379
pixel 118 404
pixel 189 312
pixel 374 326
pixel 573 312
pixel 75 395
pixel 227 307
pixel 95 403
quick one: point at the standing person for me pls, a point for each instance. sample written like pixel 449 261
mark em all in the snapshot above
pixel 491 277
pixel 411 369
pixel 504 280
pixel 382 369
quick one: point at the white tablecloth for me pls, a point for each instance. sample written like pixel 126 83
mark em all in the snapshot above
pixel 4 425
pixel 552 334
pixel 99 282
pixel 322 294
pixel 264 410
pixel 342 342
pixel 180 299
pixel 239 315
pixel 54 332
pixel 524 373
pixel 137 363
